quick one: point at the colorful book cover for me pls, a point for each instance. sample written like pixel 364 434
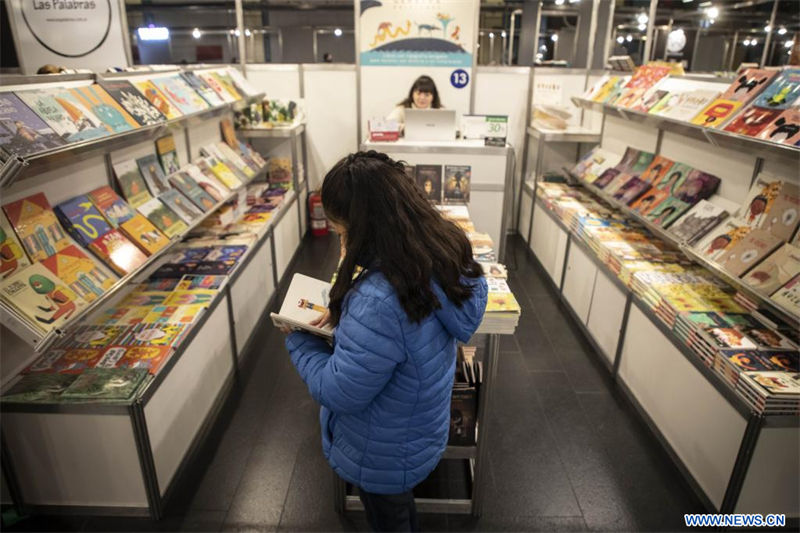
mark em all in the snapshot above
pixel 216 86
pixel 211 151
pixel 92 336
pixel 180 94
pixel 201 88
pixel 776 270
pixel 117 252
pixel 502 302
pixel 83 276
pixel 697 186
pixel 149 358
pixel 157 98
pixel 82 220
pixel 657 169
pixel 685 105
pixel 618 182
pixel 748 85
pixel 191 282
pixel 145 298
pixel 784 213
pixel 788 296
pixel 606 90
pixel 106 384
pixel 191 297
pixel 123 316
pixel 132 101
pixel 225 253
pixel 650 99
pixel 228 133
pixel 456 184
pixel 77 360
pixel 250 168
pixel 722 238
pixel 181 206
pixel 208 182
pixel 220 171
pixel 783 92
pixel 717 113
pixel 23 132
pixel 131 182
pixel 629 158
pixel 12 256
pixel 39 387
pixel 153 174
pixel 192 190
pixel 649 201
pixel 667 212
pixel 748 252
pixel 113 116
pixel 697 222
pixel 112 207
pixel 46 362
pixel 760 199
pixel 163 218
pixel 752 120
pixel 36 226
pixel 227 83
pixel 167 154
pixel 632 190
pixel 38 294
pixel 607 177
pixel 211 268
pixel 65 114
pixel 429 180
pixel 785 129
pixel 777 383
pixel 141 232
pixel 154 335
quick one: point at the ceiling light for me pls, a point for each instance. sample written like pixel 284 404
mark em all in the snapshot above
pixel 196 33
pixel 746 42
pixel 491 35
pixel 236 32
pixel 788 44
pixel 642 27
pixel 337 32
pixel 767 28
pixel 153 33
pixel 642 18
pixel 620 39
pixel 629 37
pixel 503 34
pixel 559 2
pixel 753 42
pixel 712 12
pixel 247 33
pixel 574 1
pixel 554 37
pixel 781 31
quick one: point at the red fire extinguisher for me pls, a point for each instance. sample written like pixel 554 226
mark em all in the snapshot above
pixel 319 224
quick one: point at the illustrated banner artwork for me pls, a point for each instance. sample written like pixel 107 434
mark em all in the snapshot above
pixel 417 33
pixel 84 34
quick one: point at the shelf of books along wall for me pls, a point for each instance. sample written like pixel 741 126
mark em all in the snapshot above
pixel 760 110
pixel 46 127
pixel 109 355
pixel 726 284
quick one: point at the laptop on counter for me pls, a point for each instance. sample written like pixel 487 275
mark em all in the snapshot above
pixel 430 124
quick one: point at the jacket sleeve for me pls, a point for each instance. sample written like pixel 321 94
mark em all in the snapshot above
pixel 368 347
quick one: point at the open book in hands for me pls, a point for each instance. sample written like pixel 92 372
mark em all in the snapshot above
pixel 306 300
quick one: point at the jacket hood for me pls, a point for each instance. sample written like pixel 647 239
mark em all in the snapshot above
pixel 462 321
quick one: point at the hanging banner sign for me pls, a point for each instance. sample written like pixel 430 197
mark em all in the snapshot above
pixel 85 34
pixel 417 33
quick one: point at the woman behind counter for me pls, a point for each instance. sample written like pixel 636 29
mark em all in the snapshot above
pixel 422 95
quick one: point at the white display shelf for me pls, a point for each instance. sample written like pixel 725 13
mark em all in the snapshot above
pixel 275 132
pixel 574 134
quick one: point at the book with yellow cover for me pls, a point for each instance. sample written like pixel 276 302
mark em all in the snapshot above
pixel 144 234
pixel 83 275
pixel 36 226
pixel 157 98
pixel 221 172
pixel 502 302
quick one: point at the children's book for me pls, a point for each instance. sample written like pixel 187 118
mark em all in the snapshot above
pixel 36 226
pixel 245 164
pixel 722 238
pixel 456 184
pixel 212 151
pixel 12 256
pixel 684 105
pixel 39 295
pixel 191 297
pixel 153 174
pixel 82 219
pixel 132 101
pixel 632 190
pixel 112 115
pixel 220 171
pixel 649 201
pixel 141 232
pixel 180 94
pixel 783 92
pixel 82 275
pixel 742 91
pixel 191 282
pixel 149 358
pixel 167 154
pixel 216 86
pixel 776 270
pixel 154 335
pixel 131 182
pixel 760 199
pixel 201 88
pixel 157 98
pixel 752 120
pixel 115 210
pixel 667 212
pixel 785 129
pixel 429 179
pixel 697 222
pixel 163 218
pixel 656 170
pixel 117 252
pixel 193 191
pixel 181 206
pixel 783 217
pixel 106 384
pixel 207 181
pixel 23 132
pixel 227 83
pixel 748 252
pixel 64 113
pixel 788 296
pixel 697 186
pixel 306 300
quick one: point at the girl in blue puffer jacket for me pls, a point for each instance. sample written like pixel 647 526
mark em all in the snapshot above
pixel 385 385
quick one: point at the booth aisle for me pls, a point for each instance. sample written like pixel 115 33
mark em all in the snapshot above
pixel 568 453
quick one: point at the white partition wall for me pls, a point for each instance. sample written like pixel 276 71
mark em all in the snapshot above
pixel 276 80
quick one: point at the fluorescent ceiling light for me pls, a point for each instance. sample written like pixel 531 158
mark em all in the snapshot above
pixel 337 32
pixel 153 33
pixel 196 33
pixel 642 18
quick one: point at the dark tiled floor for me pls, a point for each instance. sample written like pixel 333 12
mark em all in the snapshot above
pixel 567 453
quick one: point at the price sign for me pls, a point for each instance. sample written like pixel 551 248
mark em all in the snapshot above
pixel 491 128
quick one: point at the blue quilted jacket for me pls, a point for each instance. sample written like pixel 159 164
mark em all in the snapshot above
pixel 385 386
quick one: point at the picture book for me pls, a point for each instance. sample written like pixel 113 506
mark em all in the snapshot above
pixel 112 115
pixel 148 358
pixel 106 384
pixel 193 191
pixel 237 158
pixel 752 120
pixel 456 184
pixel 42 297
pixel 167 154
pixel 672 180
pixel 163 218
pixel 81 274
pixel 667 212
pixel 211 151
pixel 181 206
pixel 306 300
pixel 631 190
pixel 656 170
pixel 717 113
pixel 141 232
pixel 65 114
pixel 123 315
pixel 157 98
pixel 280 170
pixel 697 222
pixel 132 101
pixel 607 89
pixel 180 94
pixel 174 314
pixel 782 92
pixel 12 256
pixel 219 171
pixel 82 219
pixel 629 158
pixel 113 208
pixel 201 88
pixel 494 270
pixel 225 252
pixel 742 91
pixel 748 252
pixel 619 182
pixel 776 270
pixel 785 129
pixel 23 132
pixel 190 282
pixel 649 201
pixel 77 360
pixel 722 238
pixel 697 186
pixel 216 86
pixel 39 387
pixel 117 252
pixel 788 296
pixel 641 162
pixel 131 183
pixel 207 181
pixel 226 82
pixel 45 362
pixel 760 199
pixel 783 217
pixel 153 174
pixel 154 335
pixel 765 338
pixel 36 226
pixel 684 105
pixel 191 297
pixel 146 296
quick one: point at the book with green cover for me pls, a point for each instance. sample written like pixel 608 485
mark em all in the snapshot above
pixel 106 384
pixel 40 386
pixel 130 180
pixel 163 218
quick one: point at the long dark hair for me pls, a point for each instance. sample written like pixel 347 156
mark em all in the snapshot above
pixel 423 84
pixel 393 228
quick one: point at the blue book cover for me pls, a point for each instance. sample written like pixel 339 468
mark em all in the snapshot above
pixel 82 219
pixel 67 114
pixel 22 131
pixel 782 92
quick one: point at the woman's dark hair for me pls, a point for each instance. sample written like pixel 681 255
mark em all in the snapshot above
pixel 423 84
pixel 392 227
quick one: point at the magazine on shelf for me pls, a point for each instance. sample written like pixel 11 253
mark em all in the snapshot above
pixel 157 98
pixel 145 113
pixel 64 113
pixel 36 226
pixel 742 91
pixel 12 255
pixel 131 182
pixel 153 174
pixel 697 222
pixel 22 131
pixel 776 270
pixel 748 252
pixel 784 216
pixel 306 300
pixel 162 217
pixel 788 296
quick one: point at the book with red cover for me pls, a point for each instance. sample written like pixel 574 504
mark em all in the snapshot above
pixel 36 226
pixel 785 129
pixel 752 121
pixel 743 90
pixel 86 279
pixel 120 254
